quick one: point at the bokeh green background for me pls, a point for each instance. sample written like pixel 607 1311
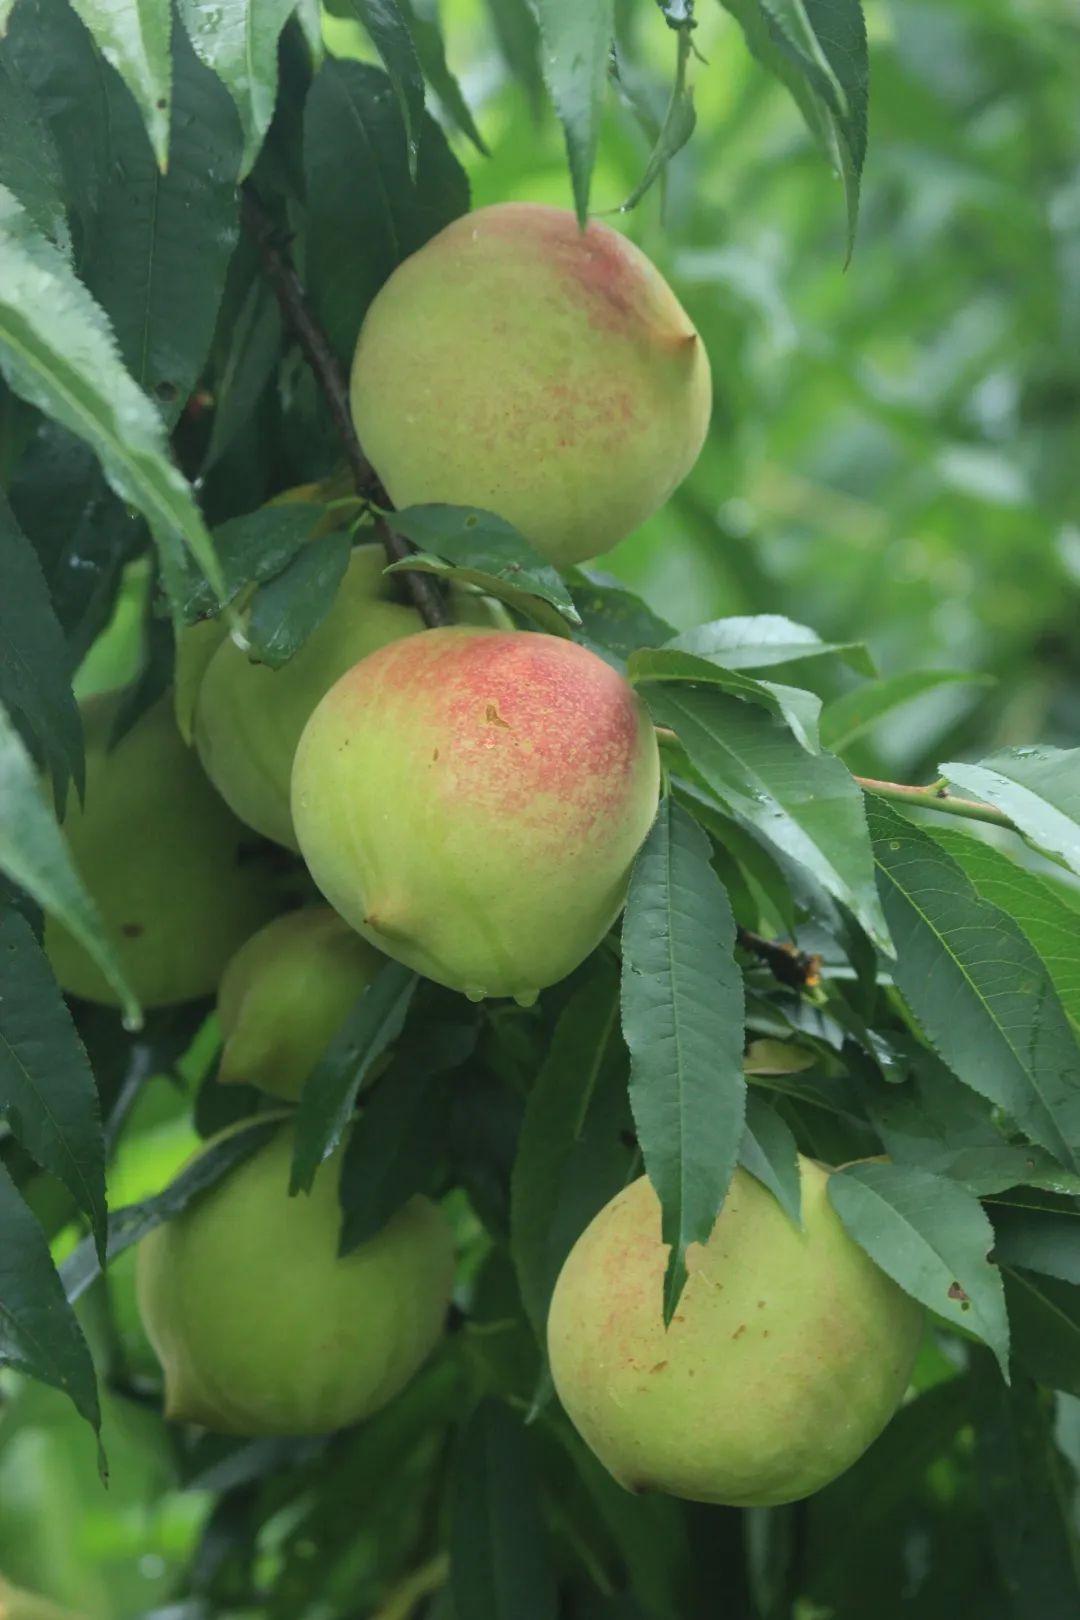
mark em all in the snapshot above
pixel 894 456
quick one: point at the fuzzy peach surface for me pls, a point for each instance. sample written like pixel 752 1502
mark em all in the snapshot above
pixel 472 801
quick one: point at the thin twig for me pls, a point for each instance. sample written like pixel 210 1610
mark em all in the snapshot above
pixel 315 346
pixel 938 798
pixel 799 970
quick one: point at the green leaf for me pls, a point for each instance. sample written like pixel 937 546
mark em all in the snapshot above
pixel 1038 787
pixel 47 1091
pixel 518 37
pixel 499 1563
pixel 395 1144
pixel 571 1155
pixel 286 610
pixel 977 987
pixel 932 1238
pixel 134 37
pixel 682 1013
pixel 676 129
pixel 33 855
pixel 478 548
pixel 423 17
pixel 238 40
pixel 849 717
pixel 769 1152
pixel 131 1224
pixel 798 709
pixel 1048 921
pixel 29 161
pixel 806 805
pixel 254 347
pixel 765 640
pixel 1022 1479
pixel 330 1091
pixel 818 49
pixel 613 620
pixel 1043 1240
pixel 162 242
pixel 35 665
pixel 38 1331
pixel 251 550
pixel 365 214
pixel 385 24
pixel 58 352
pixel 1044 1315
pixel 576 38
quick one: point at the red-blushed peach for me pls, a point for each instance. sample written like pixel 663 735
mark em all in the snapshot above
pixel 248 717
pixel 286 993
pixel 472 802
pixel 172 871
pixel 545 373
pixel 262 1328
pixel 788 1353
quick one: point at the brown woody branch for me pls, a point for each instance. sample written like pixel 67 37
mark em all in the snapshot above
pixel 315 346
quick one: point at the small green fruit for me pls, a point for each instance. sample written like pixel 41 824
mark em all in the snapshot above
pixel 286 993
pixel 472 802
pixel 248 717
pixel 788 1353
pixel 262 1329
pixel 546 373
pixel 165 862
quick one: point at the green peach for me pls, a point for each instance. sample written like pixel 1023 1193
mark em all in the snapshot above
pixel 546 373
pixel 248 717
pixel 788 1353
pixel 286 993
pixel 260 1326
pixel 472 802
pixel 165 862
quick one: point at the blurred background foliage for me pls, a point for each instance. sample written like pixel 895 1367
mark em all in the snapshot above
pixel 894 456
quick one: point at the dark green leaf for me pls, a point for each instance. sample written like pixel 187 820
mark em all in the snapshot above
pixel 38 1331
pixel 29 161
pixel 395 1144
pixel 818 49
pixel 499 1565
pixel 769 1153
pixel 977 987
pixel 675 131
pixel 385 22
pixel 330 1091
pixel 134 39
pixel 484 550
pixel 47 1092
pixel 285 611
pixel 35 664
pixel 572 1152
pixel 613 619
pixel 1044 1315
pixel 682 1013
pixel 932 1238
pixel 576 38
pixel 765 640
pixel 1043 1240
pixel 807 805
pixel 58 352
pixel 251 549
pixel 518 36
pixel 238 39
pixel 254 346
pixel 798 709
pixel 427 38
pixel 365 213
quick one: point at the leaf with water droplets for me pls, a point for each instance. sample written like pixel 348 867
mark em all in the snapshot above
pixel 1038 787
pixel 134 37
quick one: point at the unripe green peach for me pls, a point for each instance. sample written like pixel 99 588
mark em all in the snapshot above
pixel 788 1353
pixel 169 867
pixel 472 802
pixel 546 373
pixel 16 1604
pixel 260 1326
pixel 248 717
pixel 286 993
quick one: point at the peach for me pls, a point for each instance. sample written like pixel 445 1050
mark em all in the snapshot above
pixel 788 1353
pixel 549 374
pixel 472 802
